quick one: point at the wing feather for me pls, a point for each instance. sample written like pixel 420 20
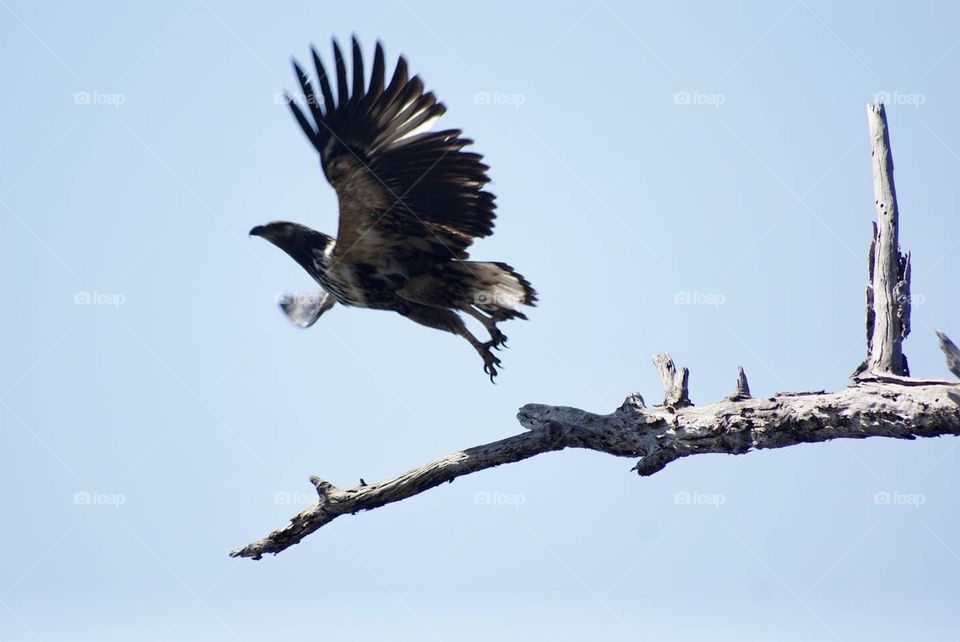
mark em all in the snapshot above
pixel 358 93
pixel 402 190
pixel 343 94
pixel 376 76
pixel 328 101
pixel 309 96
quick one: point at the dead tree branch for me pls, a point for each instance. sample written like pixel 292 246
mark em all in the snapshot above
pixel 675 382
pixel 888 287
pixel 658 436
pixel 882 401
pixel 742 390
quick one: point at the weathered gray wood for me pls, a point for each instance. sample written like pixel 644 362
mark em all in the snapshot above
pixel 742 390
pixel 675 382
pixel 951 352
pixel 888 290
pixel 657 436
pixel 334 502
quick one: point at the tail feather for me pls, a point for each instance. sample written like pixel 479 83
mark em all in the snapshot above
pixel 498 289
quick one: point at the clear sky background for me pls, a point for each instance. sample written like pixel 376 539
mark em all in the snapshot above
pixel 639 152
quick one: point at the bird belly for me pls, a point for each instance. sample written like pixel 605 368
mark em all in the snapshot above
pixel 366 285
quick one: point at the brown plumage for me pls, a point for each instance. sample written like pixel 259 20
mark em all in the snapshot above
pixel 411 202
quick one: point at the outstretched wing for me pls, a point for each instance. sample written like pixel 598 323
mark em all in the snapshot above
pixel 402 190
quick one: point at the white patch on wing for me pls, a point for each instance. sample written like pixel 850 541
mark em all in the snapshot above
pixel 425 127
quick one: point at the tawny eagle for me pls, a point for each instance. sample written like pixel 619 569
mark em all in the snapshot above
pixel 411 202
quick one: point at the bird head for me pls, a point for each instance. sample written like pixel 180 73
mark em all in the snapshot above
pixel 280 233
pixel 299 241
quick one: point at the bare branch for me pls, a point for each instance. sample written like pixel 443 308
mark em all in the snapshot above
pixel 657 436
pixel 335 502
pixel 743 388
pixel 888 289
pixel 674 383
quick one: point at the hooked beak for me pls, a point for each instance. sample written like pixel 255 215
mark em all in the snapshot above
pixel 257 231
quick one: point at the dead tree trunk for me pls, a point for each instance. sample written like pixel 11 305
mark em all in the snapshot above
pixel 881 401
pixel 888 285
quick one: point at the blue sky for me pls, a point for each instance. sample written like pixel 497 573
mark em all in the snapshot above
pixel 157 411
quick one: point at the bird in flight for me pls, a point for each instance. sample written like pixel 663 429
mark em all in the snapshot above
pixel 411 202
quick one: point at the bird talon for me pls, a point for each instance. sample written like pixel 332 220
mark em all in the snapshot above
pixel 490 363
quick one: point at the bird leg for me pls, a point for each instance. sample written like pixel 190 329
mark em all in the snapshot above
pixel 446 319
pixel 490 360
pixel 497 338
